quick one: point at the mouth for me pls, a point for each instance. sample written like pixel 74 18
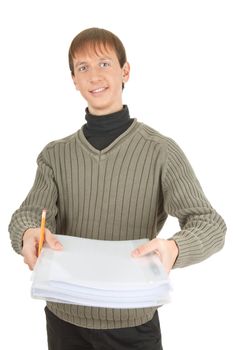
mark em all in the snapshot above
pixel 98 91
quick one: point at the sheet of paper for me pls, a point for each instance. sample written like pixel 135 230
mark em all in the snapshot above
pixel 94 272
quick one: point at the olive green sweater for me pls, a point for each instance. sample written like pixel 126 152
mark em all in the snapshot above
pixel 125 191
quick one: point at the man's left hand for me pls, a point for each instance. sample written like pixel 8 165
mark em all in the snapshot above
pixel 167 251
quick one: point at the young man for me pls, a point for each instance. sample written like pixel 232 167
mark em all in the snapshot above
pixel 114 179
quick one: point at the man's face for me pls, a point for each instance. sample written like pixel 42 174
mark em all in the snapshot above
pixel 99 77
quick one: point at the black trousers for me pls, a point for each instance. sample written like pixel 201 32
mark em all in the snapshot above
pixel 66 336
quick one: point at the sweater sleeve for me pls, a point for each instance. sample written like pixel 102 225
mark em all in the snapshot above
pixel 42 195
pixel 202 228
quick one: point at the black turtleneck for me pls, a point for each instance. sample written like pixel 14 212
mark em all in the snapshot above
pixel 101 131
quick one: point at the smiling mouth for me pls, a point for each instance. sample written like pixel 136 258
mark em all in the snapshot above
pixel 98 91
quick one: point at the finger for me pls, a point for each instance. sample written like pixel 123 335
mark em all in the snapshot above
pixel 52 241
pixel 30 261
pixel 30 256
pixel 147 248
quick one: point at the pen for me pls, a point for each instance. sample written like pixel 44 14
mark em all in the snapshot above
pixel 42 230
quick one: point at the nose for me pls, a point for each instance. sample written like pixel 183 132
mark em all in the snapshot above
pixel 94 75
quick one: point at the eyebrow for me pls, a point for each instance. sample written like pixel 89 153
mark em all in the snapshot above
pixel 80 63
pixel 104 58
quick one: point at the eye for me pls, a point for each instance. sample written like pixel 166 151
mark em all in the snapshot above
pixel 82 68
pixel 104 64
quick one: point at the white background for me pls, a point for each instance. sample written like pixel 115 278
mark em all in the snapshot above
pixel 181 84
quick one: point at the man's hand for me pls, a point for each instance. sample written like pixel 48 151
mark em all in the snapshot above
pixel 167 251
pixel 31 239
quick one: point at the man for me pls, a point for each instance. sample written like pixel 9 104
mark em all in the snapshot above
pixel 113 179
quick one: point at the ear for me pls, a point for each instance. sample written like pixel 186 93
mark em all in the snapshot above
pixel 74 81
pixel 125 72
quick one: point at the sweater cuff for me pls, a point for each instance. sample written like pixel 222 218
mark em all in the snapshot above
pixel 17 239
pixel 22 221
pixel 189 249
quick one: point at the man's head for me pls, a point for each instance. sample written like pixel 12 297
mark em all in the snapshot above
pixel 95 39
pixel 99 69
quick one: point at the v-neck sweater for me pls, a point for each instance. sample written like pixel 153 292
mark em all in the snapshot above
pixel 122 192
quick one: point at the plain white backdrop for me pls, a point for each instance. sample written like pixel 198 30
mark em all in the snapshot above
pixel 181 84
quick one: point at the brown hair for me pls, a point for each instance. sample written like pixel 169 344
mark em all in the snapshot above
pixel 96 38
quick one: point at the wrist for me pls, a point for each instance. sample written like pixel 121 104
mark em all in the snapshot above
pixel 28 232
pixel 174 250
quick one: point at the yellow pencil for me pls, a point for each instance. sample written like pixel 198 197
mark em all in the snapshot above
pixel 42 230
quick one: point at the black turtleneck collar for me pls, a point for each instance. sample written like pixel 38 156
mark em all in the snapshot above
pixel 101 131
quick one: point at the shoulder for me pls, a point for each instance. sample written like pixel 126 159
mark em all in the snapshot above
pixel 55 149
pixel 153 135
pixel 61 143
pixel 168 145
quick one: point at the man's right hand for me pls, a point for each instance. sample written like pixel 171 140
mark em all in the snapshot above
pixel 31 239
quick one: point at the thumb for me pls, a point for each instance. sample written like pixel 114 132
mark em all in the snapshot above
pixel 52 241
pixel 144 249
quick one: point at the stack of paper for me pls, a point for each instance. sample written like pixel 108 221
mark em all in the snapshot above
pixel 100 273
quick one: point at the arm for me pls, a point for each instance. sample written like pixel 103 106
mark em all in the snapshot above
pixel 25 223
pixel 202 228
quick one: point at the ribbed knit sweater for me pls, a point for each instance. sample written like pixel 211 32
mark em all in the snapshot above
pixel 125 191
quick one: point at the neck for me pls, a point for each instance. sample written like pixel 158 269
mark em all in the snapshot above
pixel 100 131
pixel 108 111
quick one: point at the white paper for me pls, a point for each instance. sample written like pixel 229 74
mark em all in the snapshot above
pixel 100 273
